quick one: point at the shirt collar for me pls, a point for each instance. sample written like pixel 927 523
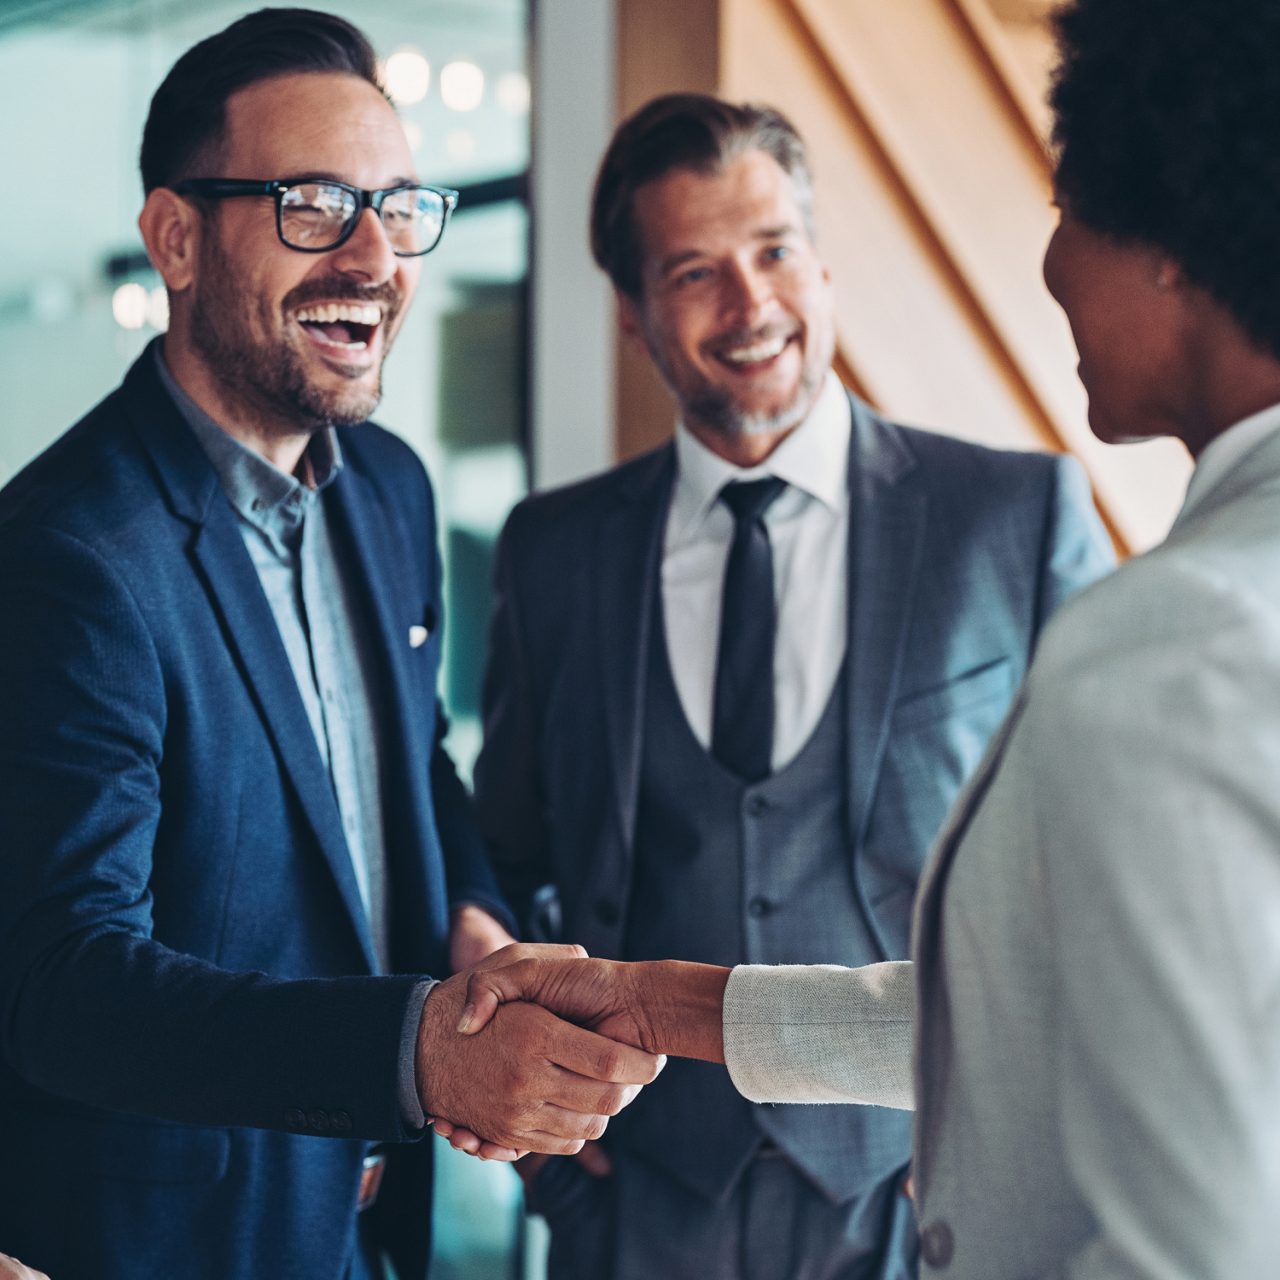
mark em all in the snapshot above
pixel 1222 453
pixel 268 498
pixel 814 458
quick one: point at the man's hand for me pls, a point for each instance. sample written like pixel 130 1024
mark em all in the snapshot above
pixel 527 1080
pixel 12 1269
pixel 474 935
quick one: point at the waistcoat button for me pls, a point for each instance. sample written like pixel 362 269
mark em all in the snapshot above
pixel 937 1244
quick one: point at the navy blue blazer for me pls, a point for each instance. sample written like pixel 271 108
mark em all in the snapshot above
pixel 195 1052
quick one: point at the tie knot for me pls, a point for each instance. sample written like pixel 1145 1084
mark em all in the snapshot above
pixel 750 499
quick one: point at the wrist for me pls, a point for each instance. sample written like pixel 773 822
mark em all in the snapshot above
pixel 681 1004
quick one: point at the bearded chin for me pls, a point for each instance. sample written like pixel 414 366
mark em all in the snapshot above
pixel 718 410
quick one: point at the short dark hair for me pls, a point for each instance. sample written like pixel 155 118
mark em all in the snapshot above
pixel 682 131
pixel 188 112
pixel 1168 134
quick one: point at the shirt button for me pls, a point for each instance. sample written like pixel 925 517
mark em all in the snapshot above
pixel 937 1244
pixel 757 806
pixel 759 907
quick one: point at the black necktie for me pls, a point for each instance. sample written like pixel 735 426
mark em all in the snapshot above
pixel 742 721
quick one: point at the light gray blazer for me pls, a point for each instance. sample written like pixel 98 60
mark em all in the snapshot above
pixel 1096 942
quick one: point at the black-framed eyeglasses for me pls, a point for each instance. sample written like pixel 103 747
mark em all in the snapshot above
pixel 318 215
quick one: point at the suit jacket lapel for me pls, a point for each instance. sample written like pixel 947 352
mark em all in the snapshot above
pixel 365 525
pixel 886 538
pixel 628 573
pixel 250 627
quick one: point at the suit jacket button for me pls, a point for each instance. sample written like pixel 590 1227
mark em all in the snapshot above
pixel 757 806
pixel 341 1122
pixel 318 1120
pixel 937 1244
pixel 757 908
pixel 295 1118
pixel 607 912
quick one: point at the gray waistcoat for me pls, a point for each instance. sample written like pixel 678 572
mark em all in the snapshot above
pixel 727 874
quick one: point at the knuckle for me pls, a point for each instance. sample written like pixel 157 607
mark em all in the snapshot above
pixel 596 1127
pixel 609 1062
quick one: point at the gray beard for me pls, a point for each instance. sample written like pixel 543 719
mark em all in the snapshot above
pixel 718 411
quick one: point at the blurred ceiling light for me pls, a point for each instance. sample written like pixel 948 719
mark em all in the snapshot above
pixel 412 134
pixel 158 308
pixel 460 144
pixel 462 86
pixel 512 92
pixel 407 75
pixel 129 305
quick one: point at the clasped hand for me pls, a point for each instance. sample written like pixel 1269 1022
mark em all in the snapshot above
pixel 524 1078
pixel 601 995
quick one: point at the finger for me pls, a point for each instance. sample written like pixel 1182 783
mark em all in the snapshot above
pixel 505 1155
pixel 588 1054
pixel 585 1096
pixel 516 978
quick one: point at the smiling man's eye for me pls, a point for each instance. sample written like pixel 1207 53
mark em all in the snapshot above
pixel 692 275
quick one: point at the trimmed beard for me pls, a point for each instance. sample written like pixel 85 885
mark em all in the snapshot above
pixel 272 380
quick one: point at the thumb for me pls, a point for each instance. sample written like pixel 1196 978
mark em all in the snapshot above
pixel 486 990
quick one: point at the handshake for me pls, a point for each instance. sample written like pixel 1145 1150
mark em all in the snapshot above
pixel 535 1047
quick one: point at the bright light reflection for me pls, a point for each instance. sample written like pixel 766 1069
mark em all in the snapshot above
pixel 158 308
pixel 512 92
pixel 462 86
pixel 407 75
pixel 129 305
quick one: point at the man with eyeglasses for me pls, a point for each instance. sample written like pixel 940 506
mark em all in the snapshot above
pixel 233 846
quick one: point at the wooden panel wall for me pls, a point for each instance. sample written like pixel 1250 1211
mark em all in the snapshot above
pixel 926 120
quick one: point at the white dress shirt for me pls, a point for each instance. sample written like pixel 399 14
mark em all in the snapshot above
pixel 808 528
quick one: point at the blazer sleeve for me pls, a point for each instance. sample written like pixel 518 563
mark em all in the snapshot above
pixel 83 984
pixel 509 794
pixel 822 1033
pixel 1159 825
pixel 1076 550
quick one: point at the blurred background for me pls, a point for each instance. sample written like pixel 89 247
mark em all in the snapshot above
pixel 928 129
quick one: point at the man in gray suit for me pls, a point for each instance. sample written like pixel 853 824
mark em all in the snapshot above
pixel 734 686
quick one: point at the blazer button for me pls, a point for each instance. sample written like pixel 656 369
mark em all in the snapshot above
pixel 341 1122
pixel 295 1118
pixel 759 907
pixel 607 912
pixel 757 806
pixel 937 1244
pixel 318 1120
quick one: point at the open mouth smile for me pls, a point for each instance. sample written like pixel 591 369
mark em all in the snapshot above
pixel 345 327
pixel 754 356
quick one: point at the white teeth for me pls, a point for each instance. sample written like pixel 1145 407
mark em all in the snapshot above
pixel 754 354
pixel 333 312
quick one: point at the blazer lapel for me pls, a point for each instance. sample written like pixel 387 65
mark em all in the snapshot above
pixel 627 571
pixel 367 531
pixel 251 633
pixel 886 538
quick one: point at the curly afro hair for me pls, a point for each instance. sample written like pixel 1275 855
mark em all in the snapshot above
pixel 1168 133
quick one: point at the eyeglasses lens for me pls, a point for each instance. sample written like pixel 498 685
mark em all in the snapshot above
pixel 317 215
pixel 314 215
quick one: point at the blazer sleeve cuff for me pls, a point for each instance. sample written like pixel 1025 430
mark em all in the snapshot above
pixel 821 1033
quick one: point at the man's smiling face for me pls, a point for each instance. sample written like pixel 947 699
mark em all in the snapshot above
pixel 736 308
pixel 295 341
